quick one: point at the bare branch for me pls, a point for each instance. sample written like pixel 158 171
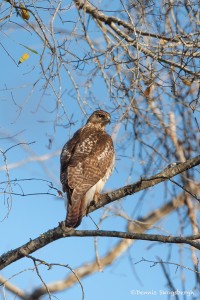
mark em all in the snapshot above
pixel 154 263
pixel 12 288
pixel 115 24
pixel 30 159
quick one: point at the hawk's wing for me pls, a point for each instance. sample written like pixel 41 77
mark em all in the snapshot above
pixel 65 156
pixel 87 167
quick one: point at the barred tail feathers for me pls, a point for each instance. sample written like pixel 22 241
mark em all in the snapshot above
pixel 74 211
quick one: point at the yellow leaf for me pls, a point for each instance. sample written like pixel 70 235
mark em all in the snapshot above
pixel 24 57
pixel 24 12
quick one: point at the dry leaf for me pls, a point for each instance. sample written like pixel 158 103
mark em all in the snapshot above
pixel 186 81
pixel 147 91
pixel 24 12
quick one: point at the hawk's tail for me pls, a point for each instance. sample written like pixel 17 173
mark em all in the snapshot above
pixel 74 215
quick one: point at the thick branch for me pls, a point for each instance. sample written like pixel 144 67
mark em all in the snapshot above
pixel 145 183
pixel 57 233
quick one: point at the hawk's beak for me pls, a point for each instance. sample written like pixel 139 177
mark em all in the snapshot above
pixel 109 120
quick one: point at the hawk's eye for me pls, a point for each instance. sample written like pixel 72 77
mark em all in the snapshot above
pixel 100 116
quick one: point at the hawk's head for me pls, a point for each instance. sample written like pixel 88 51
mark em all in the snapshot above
pixel 100 118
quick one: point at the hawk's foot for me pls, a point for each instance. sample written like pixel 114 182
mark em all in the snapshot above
pixel 64 228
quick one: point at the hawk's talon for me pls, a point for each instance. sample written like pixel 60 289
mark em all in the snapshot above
pixel 64 228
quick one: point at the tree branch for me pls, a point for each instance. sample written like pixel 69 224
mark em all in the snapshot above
pixel 57 233
pixel 143 184
pixel 12 288
pixel 190 240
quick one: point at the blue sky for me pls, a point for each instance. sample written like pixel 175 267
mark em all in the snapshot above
pixel 26 116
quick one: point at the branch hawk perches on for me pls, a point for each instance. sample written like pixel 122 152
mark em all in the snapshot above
pixel 87 160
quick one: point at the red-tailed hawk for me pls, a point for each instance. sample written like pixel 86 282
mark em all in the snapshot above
pixel 87 160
